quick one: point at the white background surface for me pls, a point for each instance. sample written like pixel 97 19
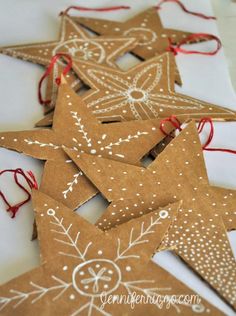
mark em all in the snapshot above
pixel 226 20
pixel 206 78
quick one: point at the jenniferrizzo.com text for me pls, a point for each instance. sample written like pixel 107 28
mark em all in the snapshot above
pixel 160 301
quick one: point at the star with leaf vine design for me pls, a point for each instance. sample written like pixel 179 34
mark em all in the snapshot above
pixel 76 129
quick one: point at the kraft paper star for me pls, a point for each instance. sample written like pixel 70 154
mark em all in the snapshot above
pixel 85 266
pixel 75 42
pixel 146 25
pixel 198 235
pixel 77 129
pixel 143 92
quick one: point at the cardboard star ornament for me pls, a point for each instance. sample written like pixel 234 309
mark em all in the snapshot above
pixel 154 38
pixel 75 42
pixel 77 129
pixel 122 210
pixel 147 25
pixel 85 266
pixel 143 92
pixel 198 235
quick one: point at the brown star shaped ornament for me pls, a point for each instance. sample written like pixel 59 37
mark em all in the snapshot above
pixel 75 128
pixel 146 25
pixel 198 234
pixel 143 92
pixel 75 42
pixel 86 268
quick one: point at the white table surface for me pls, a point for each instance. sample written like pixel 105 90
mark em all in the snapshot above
pixel 207 78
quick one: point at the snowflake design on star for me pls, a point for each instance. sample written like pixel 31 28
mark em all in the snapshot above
pixel 79 271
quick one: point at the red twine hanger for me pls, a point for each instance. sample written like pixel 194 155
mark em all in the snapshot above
pixel 177 49
pixel 180 4
pixel 31 181
pixel 49 70
pixel 201 125
pixel 176 123
pixel 105 9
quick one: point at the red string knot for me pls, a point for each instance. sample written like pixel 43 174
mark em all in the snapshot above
pixel 48 71
pixel 30 180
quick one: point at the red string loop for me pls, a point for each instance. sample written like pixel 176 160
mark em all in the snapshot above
pixel 180 4
pixel 201 126
pixel 177 49
pixel 49 70
pixel 174 121
pixel 31 181
pixel 105 9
